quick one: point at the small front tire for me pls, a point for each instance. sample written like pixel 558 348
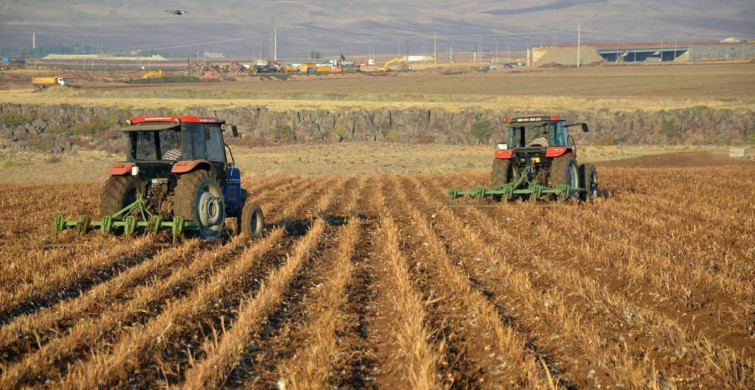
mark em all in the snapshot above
pixel 252 221
pixel 588 178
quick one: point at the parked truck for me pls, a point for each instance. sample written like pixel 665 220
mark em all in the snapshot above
pixel 43 82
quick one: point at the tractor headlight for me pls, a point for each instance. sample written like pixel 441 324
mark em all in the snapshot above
pixel 134 171
pixel 503 146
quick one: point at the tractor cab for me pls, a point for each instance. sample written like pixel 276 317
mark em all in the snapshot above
pixel 175 140
pixel 539 131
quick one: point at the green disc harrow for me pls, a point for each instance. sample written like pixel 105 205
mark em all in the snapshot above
pixel 131 219
pixel 519 188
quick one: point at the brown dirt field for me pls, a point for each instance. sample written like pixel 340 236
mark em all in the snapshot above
pixel 372 281
pixel 669 86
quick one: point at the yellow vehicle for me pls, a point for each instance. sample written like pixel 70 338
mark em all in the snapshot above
pixel 324 68
pixel 154 73
pixel 305 67
pixel 388 63
pixel 42 82
pixel 289 68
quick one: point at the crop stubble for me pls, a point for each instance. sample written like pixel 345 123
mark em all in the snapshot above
pixel 370 281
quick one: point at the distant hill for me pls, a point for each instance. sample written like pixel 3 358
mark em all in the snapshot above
pixel 240 27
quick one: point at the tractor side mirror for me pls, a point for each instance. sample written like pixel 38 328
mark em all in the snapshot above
pixel 235 131
pixel 584 127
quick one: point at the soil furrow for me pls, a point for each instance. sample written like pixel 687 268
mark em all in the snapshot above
pixel 205 311
pixel 552 287
pixel 278 303
pixel 406 350
pixel 483 351
pixel 283 335
pixel 28 333
pixel 354 365
pixel 76 279
pixel 89 335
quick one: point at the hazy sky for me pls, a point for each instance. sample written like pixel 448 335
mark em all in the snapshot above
pixel 237 25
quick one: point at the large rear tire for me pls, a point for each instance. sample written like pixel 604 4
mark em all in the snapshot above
pixel 564 172
pixel 119 192
pixel 501 173
pixel 588 179
pixel 252 220
pixel 199 198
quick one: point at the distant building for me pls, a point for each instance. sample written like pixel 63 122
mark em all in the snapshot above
pixel 729 48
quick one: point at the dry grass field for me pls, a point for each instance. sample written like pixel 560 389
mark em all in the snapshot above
pixel 372 281
pixel 313 159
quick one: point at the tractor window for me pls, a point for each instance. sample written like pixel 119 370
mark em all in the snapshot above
pixel 214 143
pixel 170 145
pixel 558 134
pixel 516 137
pixel 194 140
pixel 143 145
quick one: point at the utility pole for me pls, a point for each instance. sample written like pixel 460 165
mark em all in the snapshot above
pixel 34 46
pixel 435 51
pixel 579 41
pixel 508 49
pixel 275 42
pixel 674 49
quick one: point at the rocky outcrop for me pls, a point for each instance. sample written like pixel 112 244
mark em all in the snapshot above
pixel 699 125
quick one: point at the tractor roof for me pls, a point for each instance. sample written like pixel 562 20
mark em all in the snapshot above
pixel 535 118
pixel 177 119
pixel 157 123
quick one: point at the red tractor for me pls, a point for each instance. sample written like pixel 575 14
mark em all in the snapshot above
pixel 176 175
pixel 539 161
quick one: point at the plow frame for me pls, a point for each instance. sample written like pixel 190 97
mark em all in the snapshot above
pixel 514 189
pixel 124 219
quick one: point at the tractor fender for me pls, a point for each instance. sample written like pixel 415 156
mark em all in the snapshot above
pixel 504 153
pixel 120 169
pixel 188 166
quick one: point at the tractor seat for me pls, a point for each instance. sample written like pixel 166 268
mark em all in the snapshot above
pixel 171 154
pixel 541 141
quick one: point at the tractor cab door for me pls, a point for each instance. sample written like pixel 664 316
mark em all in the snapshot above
pixel 204 141
pixel 559 135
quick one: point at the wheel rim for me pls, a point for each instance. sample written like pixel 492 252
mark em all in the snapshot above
pixel 256 223
pixel 593 184
pixel 571 177
pixel 209 207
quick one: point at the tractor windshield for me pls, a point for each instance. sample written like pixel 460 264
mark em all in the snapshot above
pixel 156 145
pixel 542 134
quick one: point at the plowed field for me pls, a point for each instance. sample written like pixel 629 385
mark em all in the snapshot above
pixel 371 281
